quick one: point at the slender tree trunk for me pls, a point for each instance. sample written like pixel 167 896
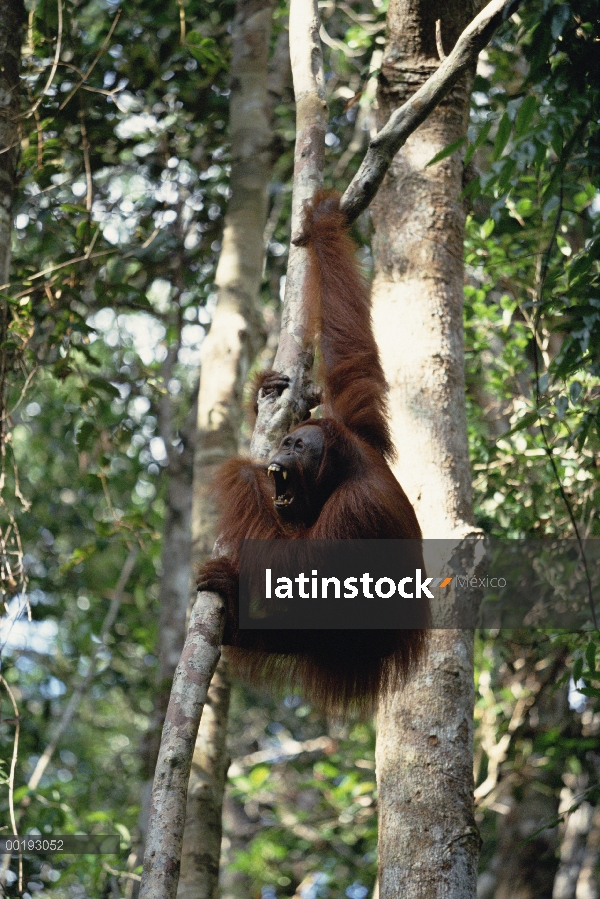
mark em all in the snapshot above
pixel 174 596
pixel 236 335
pixel 200 855
pixel 525 866
pixel 236 331
pixel 428 841
pixel 587 882
pixel 12 13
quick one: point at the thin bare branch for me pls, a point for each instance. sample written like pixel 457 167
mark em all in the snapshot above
pixel 99 54
pixel 15 753
pixel 181 21
pixel 82 687
pixel 401 124
pixel 85 147
pixel 24 390
pixel 11 785
pixel 438 40
pixel 55 268
pixel 10 147
pixel 31 111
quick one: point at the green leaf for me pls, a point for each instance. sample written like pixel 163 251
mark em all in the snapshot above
pixel 525 207
pixel 469 154
pixel 473 188
pixel 73 208
pixel 575 391
pixel 543 382
pixel 592 692
pixel 483 133
pixel 259 775
pixel 525 114
pixel 502 135
pixel 85 435
pixel 447 151
pixel 583 432
pixel 487 228
pixel 106 386
pixel 203 49
pixel 556 142
pixel 529 419
pixel 577 669
pixel 581 264
pixel 562 404
pixel 590 656
pixel 506 174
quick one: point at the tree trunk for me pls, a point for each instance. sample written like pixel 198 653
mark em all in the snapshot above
pixel 236 331
pixel 174 597
pixel 199 876
pixel 12 14
pixel 587 882
pixel 234 339
pixel 428 844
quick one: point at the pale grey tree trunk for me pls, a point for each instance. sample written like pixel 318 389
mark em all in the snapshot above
pixel 175 583
pixel 574 831
pixel 588 886
pixel 199 876
pixel 236 332
pixel 236 335
pixel 428 842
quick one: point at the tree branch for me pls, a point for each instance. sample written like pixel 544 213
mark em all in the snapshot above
pixel 401 124
pixel 194 672
pixel 277 414
pixel 202 647
pixel 83 686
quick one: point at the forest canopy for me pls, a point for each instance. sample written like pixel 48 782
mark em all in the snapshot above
pixel 121 185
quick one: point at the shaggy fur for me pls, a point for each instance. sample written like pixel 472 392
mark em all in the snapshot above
pixel 355 496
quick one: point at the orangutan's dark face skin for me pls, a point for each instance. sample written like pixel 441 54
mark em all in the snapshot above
pixel 294 469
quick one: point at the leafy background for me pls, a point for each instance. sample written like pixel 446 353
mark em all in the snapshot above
pixel 123 187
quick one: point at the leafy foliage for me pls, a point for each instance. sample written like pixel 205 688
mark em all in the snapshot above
pixel 124 182
pixel 533 299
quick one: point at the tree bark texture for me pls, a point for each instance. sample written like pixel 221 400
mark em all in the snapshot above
pixel 175 584
pixel 276 415
pixel 235 337
pixel 236 332
pixel 587 881
pixel 12 13
pixel 418 105
pixel 174 599
pixel 191 682
pixel 199 876
pixel 428 844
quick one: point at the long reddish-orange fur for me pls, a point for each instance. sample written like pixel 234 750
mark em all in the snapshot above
pixel 338 671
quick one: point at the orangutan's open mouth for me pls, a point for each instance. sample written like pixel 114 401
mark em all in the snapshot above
pixel 283 497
